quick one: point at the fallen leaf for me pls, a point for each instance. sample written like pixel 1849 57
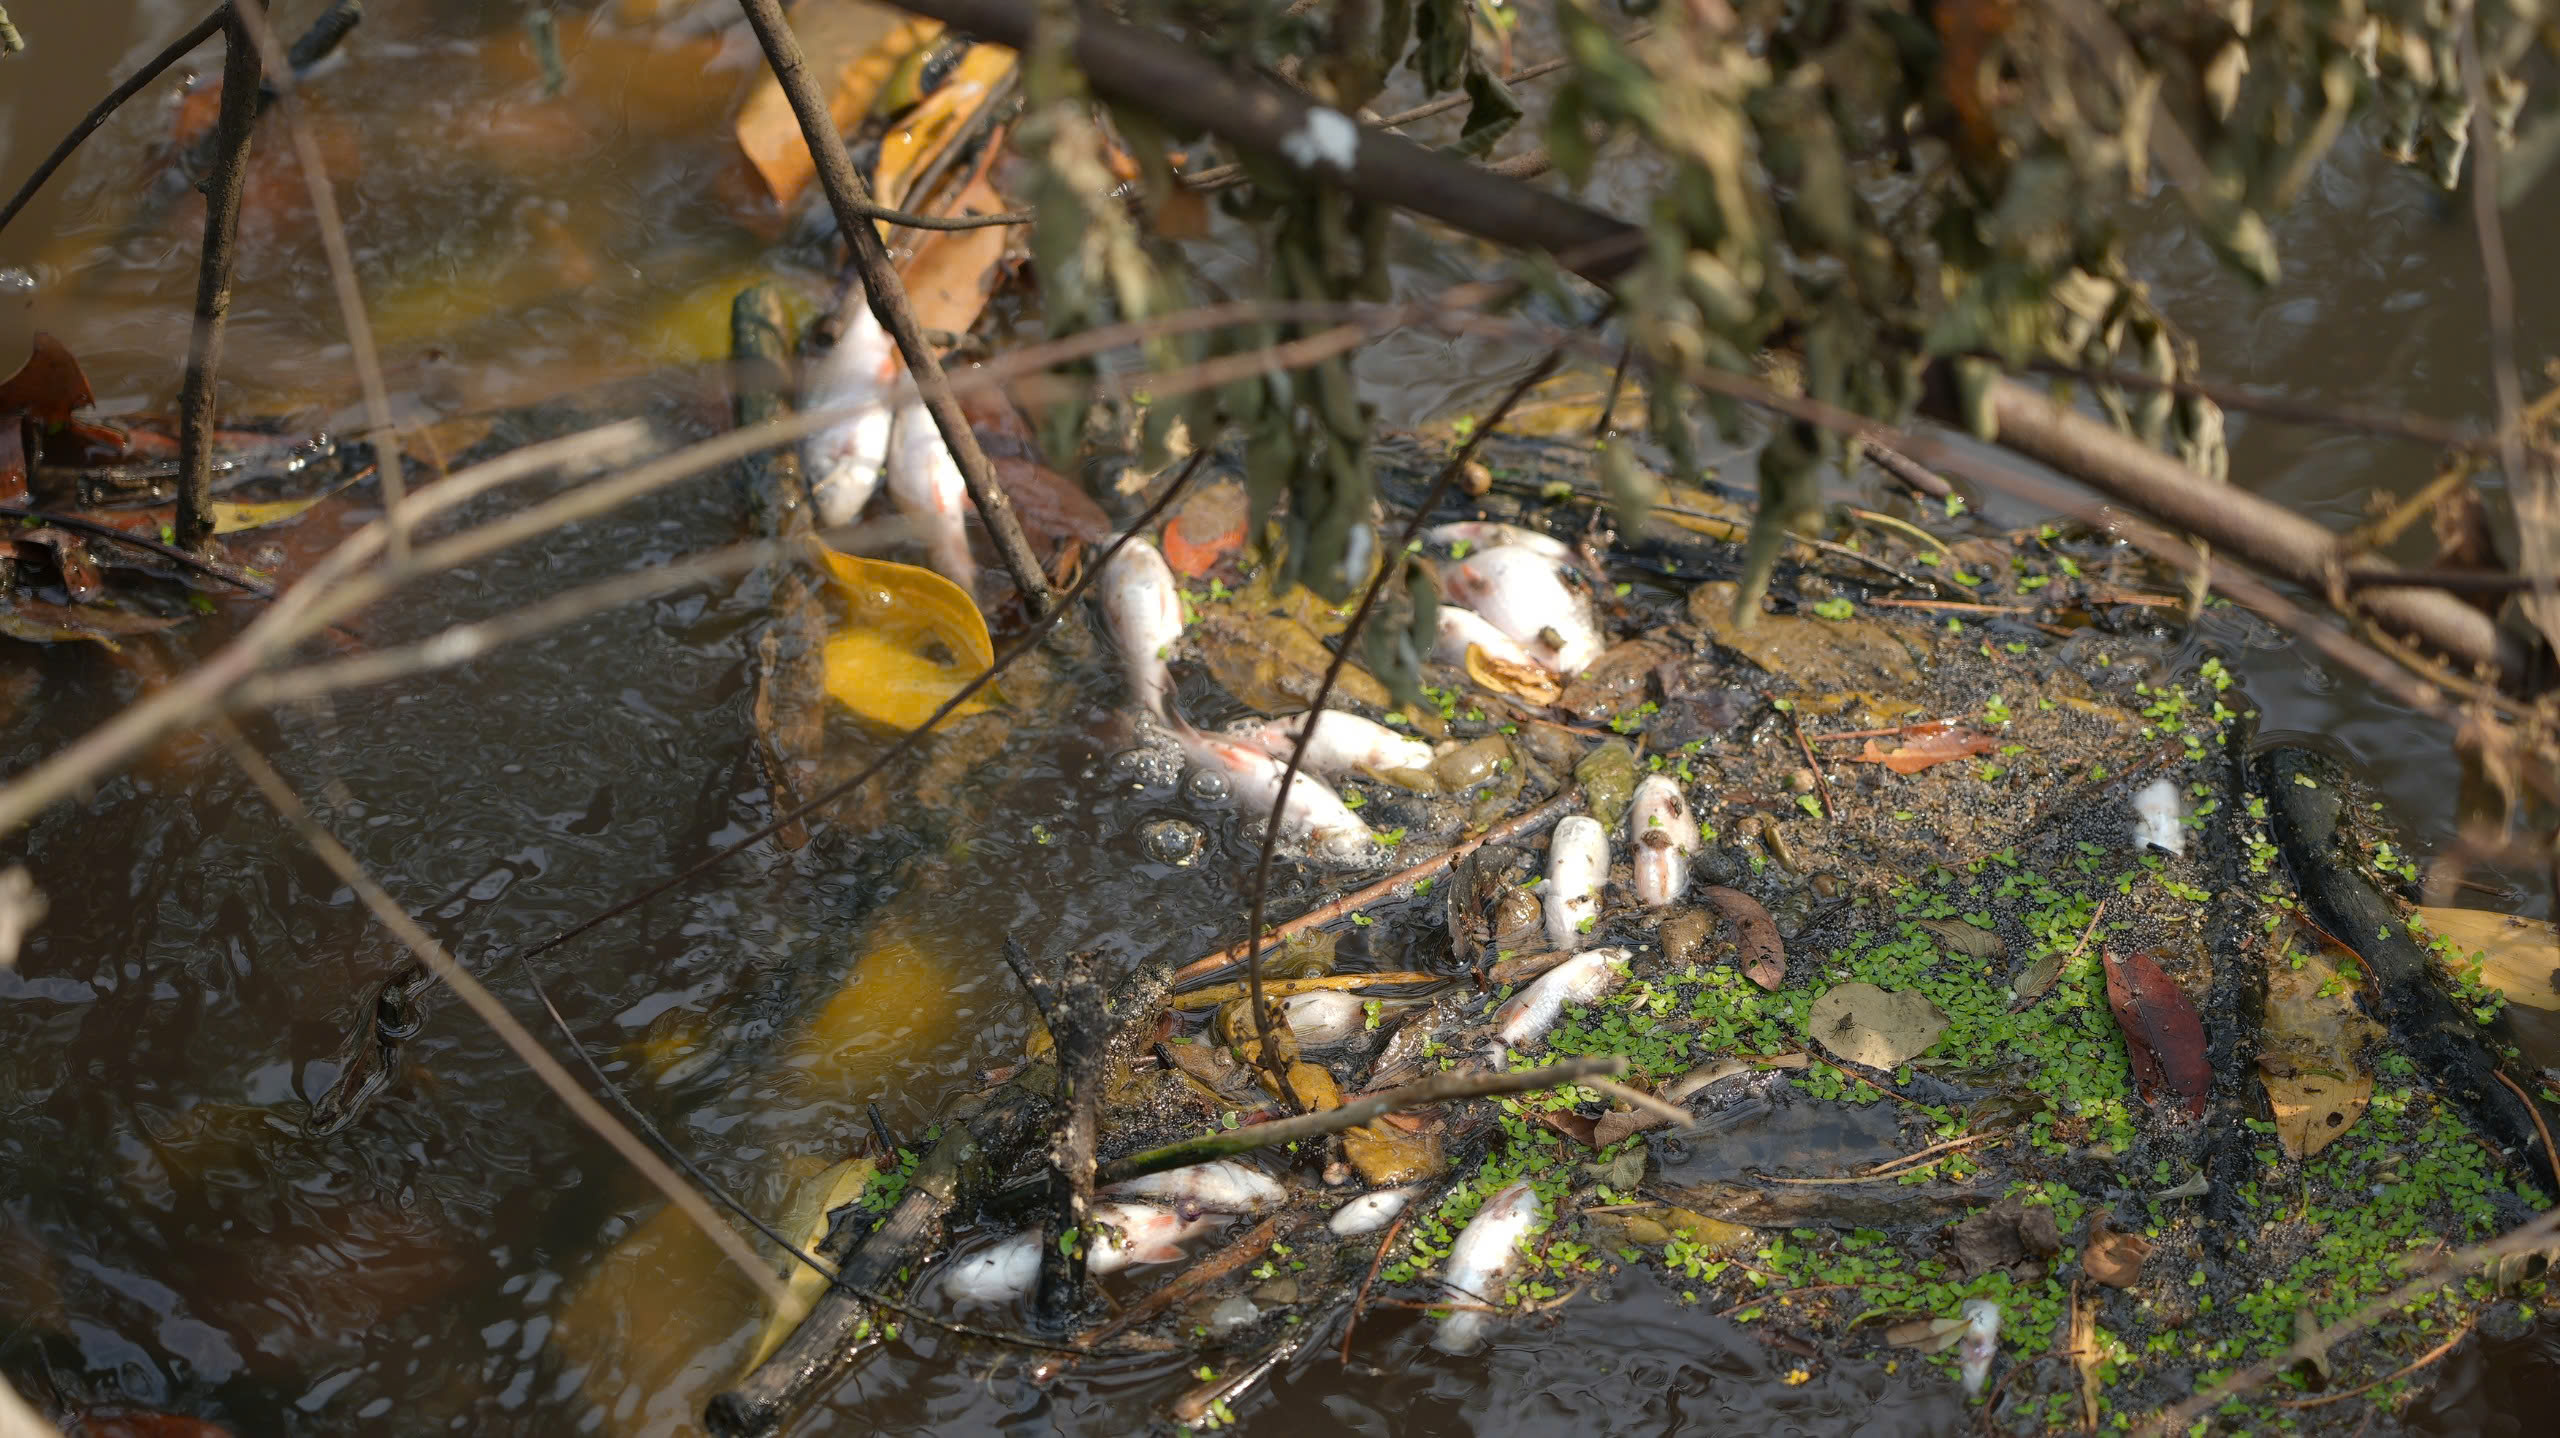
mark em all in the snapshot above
pixel 1927 749
pixel 2308 1058
pixel 1523 681
pixel 2111 1256
pixel 852 49
pixel 912 144
pixel 807 1220
pixel 911 639
pixel 1755 935
pixel 954 271
pixel 1613 683
pixel 2162 1035
pixel 48 387
pixel 1963 938
pixel 1878 1028
pixel 37 622
pixel 2009 1234
pixel 71 557
pixel 1927 1335
pixel 1273 663
pixel 1385 1157
pixel 2516 956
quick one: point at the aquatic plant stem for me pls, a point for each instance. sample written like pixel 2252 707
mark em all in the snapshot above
pixel 222 188
pixel 152 69
pixel 289 806
pixel 1388 565
pixel 887 297
pixel 1442 1088
pixel 381 433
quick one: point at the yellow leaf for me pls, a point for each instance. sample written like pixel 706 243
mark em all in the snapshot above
pixel 915 142
pixel 911 639
pixel 1528 681
pixel 231 518
pixel 853 49
pixel 806 1225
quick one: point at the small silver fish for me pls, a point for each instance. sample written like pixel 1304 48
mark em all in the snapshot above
pixel 1370 1211
pixel 1315 817
pixel 1981 1342
pixel 1487 1251
pixel 1144 610
pixel 1664 835
pixel 925 481
pixel 1577 864
pixel 1460 628
pixel 1527 596
pixel 1487 534
pixel 1528 1014
pixel 1342 743
pixel 1123 1234
pixel 1221 1186
pixel 843 462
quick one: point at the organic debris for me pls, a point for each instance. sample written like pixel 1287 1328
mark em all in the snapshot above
pixel 2162 1034
pixel 1875 1027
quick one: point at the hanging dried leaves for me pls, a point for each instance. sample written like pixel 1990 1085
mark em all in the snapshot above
pixel 2162 1034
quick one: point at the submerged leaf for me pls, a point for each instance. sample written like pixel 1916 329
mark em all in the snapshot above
pixel 912 638
pixel 852 50
pixel 48 387
pixel 2162 1034
pixel 806 1223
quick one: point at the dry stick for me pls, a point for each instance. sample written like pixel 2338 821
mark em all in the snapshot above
pixel 230 574
pixel 1634 1097
pixel 382 434
pixel 2548 1156
pixel 222 187
pixel 526 1047
pixel 2532 486
pixel 1350 637
pixel 1360 1300
pixel 887 296
pixel 1201 969
pixel 151 70
pixel 906 741
pixel 1441 1088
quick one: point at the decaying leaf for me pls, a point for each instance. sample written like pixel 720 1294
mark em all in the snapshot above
pixel 852 50
pixel 2162 1034
pixel 911 146
pixel 2011 1234
pixel 1274 664
pixel 954 271
pixel 1963 938
pixel 1927 748
pixel 2519 958
pixel 1523 681
pixel 1821 656
pixel 2309 1059
pixel 1762 952
pixel 1386 1156
pixel 1614 683
pixel 37 622
pixel 48 387
pixel 806 1221
pixel 911 639
pixel 1878 1028
pixel 2112 1256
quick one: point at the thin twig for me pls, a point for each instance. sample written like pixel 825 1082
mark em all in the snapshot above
pixel 1348 641
pixel 382 433
pixel 474 994
pixel 1256 1242
pixel 222 189
pixel 2549 1157
pixel 2412 1366
pixel 211 568
pixel 1360 1300
pixel 1634 1097
pixel 1440 1088
pixel 151 70
pixel 1821 785
pixel 887 297
pixel 1201 970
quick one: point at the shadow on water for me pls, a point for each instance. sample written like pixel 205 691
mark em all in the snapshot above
pixel 167 1237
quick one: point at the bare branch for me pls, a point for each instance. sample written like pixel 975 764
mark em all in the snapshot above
pixel 222 188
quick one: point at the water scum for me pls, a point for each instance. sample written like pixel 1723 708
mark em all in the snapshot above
pixel 1852 1215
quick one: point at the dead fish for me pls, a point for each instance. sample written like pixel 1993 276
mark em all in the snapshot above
pixel 1144 610
pixel 1123 1234
pixel 1577 864
pixel 1529 1013
pixel 1220 1186
pixel 1370 1211
pixel 925 481
pixel 1486 1252
pixel 1326 1017
pixel 1342 743
pixel 1315 817
pixel 1981 1342
pixel 2156 819
pixel 844 461
pixel 1665 836
pixel 1460 628
pixel 1487 534
pixel 1527 596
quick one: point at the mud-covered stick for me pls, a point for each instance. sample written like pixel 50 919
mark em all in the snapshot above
pixel 1441 1089
pixel 888 297
pixel 222 190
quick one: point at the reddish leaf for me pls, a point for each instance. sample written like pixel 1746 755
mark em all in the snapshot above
pixel 1927 748
pixel 48 386
pixel 71 555
pixel 2162 1034
pixel 1209 527
pixel 1755 935
pixel 80 444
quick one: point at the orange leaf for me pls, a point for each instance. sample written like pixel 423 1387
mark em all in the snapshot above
pixel 852 49
pixel 1209 527
pixel 49 386
pixel 954 271
pixel 1927 749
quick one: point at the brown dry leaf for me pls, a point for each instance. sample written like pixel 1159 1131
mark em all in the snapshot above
pixel 2112 1256
pixel 954 271
pixel 1876 1027
pixel 2163 1036
pixel 1963 938
pixel 2316 1084
pixel 852 47
pixel 48 387
pixel 1755 935
pixel 1928 748
pixel 1521 681
pixel 1927 1335
pixel 37 622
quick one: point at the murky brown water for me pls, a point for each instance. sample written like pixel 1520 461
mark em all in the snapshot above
pixel 167 1238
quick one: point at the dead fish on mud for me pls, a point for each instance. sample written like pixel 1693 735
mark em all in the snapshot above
pixel 1123 1234
pixel 1528 596
pixel 1577 865
pixel 1980 1343
pixel 1370 1211
pixel 1528 1014
pixel 1665 836
pixel 1487 1251
pixel 1220 1186
pixel 925 482
pixel 1462 628
pixel 1342 743
pixel 1489 534
pixel 1143 608
pixel 845 460
pixel 1315 817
